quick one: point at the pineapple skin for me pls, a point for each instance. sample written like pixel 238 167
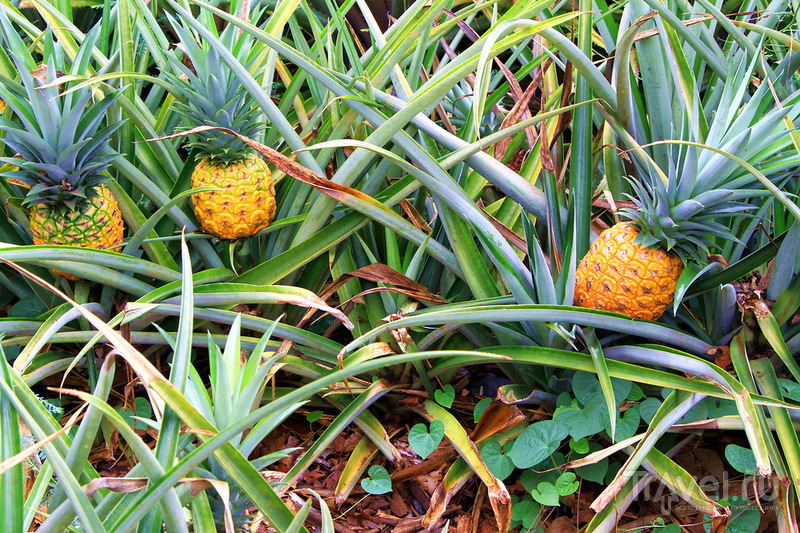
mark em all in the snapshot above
pixel 246 203
pixel 620 275
pixel 99 225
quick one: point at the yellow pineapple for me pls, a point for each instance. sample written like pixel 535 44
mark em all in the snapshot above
pixel 61 159
pixel 209 94
pixel 622 276
pixel 693 148
pixel 246 203
pixel 98 224
pixel 633 267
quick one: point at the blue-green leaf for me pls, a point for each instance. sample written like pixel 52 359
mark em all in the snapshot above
pixel 423 441
pixel 378 482
pixel 741 458
pixel 537 442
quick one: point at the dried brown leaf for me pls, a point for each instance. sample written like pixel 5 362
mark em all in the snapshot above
pixel 497 417
pixel 415 217
pixel 124 485
pixel 378 272
pixel 512 237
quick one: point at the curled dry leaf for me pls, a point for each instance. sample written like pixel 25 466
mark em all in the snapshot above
pixel 520 111
pixel 403 339
pixel 318 303
pixel 415 217
pixel 378 272
pixel 497 417
pixel 515 239
pixel 439 501
pixel 279 294
pixel 122 485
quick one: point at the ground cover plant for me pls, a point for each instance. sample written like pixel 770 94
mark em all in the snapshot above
pixel 432 266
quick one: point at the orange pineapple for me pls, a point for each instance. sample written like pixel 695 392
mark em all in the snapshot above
pixel 622 276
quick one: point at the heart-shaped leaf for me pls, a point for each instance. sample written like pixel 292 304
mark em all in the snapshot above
pixel 526 511
pixel 579 446
pixel 546 494
pixel 423 441
pixel 583 421
pixel 740 458
pixel 480 407
pixel 499 464
pixel 566 484
pixel 627 424
pixel 648 408
pixel 537 443
pixel 378 482
pixel 530 478
pixel 445 396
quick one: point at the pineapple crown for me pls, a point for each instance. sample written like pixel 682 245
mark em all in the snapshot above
pixel 211 95
pixel 686 228
pixel 688 209
pixel 60 140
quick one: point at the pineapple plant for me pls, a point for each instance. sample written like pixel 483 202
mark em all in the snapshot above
pixel 209 94
pixel 633 267
pixel 62 151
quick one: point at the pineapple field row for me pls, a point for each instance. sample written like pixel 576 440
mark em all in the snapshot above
pixel 444 265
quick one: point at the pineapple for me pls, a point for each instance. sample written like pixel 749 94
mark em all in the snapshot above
pixel 211 95
pixel 633 268
pixel 62 151
pixel 689 200
pixel 618 274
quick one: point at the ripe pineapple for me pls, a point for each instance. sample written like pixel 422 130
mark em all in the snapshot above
pixel 60 142
pixel 633 267
pixel 213 96
pixel 617 274
pixel 689 199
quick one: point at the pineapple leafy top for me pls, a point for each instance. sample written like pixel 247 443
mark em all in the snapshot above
pixel 60 138
pixel 688 228
pixel 210 94
pixel 691 192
